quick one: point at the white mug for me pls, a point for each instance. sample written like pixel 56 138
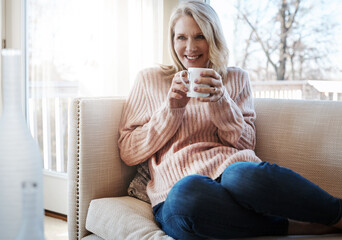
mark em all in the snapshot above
pixel 192 74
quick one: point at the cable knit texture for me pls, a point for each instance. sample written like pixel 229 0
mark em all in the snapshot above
pixel 201 138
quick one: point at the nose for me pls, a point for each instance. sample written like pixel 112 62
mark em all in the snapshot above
pixel 191 45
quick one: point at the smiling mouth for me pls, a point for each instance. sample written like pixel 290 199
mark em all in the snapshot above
pixel 192 57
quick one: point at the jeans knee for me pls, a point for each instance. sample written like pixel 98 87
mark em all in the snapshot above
pixel 189 182
pixel 241 177
pixel 180 227
pixel 187 192
pixel 181 206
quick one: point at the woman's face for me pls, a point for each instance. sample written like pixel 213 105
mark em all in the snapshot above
pixel 189 43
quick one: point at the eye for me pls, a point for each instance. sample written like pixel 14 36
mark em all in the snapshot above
pixel 200 37
pixel 181 37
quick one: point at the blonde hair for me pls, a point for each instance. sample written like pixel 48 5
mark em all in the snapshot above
pixel 210 25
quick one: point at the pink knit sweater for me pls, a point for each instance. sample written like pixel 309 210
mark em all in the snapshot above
pixel 201 138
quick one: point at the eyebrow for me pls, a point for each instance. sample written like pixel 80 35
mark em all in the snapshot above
pixel 199 33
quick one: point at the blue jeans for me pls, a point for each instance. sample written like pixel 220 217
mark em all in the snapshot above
pixel 249 199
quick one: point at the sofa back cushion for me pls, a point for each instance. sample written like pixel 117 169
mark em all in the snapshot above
pixel 305 136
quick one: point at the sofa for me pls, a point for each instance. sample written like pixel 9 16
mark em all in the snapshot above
pixel 304 135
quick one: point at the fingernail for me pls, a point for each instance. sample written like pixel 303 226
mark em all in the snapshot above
pixel 196 81
pixel 195 88
pixel 185 89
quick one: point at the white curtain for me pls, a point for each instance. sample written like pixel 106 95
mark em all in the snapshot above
pixel 99 44
pixel 127 38
pixel 84 48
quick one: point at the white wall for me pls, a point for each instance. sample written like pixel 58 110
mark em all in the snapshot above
pixel 169 5
pixel 13 24
pixel 11 29
pixel 2 36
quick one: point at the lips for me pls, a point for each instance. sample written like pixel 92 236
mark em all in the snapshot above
pixel 194 57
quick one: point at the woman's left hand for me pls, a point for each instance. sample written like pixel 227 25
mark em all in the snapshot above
pixel 215 89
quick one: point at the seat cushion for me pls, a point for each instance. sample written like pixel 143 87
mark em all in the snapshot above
pixel 129 218
pixel 92 237
pixel 123 218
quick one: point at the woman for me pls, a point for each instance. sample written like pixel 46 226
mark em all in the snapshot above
pixel 206 181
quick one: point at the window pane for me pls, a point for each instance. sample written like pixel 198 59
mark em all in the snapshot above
pixel 83 48
pixel 300 59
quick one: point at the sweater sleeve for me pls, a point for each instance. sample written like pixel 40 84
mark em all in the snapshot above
pixel 235 118
pixel 144 131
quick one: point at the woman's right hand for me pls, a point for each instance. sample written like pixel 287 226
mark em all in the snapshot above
pixel 177 93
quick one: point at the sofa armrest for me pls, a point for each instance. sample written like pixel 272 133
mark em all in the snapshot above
pixel 95 169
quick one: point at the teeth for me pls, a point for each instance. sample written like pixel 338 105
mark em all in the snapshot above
pixel 192 58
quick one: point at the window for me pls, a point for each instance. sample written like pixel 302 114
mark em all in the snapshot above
pixel 83 48
pixel 298 60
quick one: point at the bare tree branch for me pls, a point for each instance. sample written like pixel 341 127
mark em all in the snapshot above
pixel 264 48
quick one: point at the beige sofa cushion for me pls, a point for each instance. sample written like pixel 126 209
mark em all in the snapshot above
pixel 92 237
pixel 305 136
pixel 130 219
pixel 123 218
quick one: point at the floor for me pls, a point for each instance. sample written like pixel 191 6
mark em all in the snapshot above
pixel 55 229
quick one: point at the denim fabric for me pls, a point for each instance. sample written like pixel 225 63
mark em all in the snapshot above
pixel 249 199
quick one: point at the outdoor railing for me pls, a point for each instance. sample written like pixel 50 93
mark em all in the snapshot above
pixel 49 104
pixel 48 113
pixel 308 89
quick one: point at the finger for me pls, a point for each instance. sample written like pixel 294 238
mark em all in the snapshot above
pixel 210 90
pixel 208 81
pixel 210 73
pixel 177 81
pixel 176 95
pixel 178 91
pixel 178 77
pixel 204 99
pixel 213 98
pixel 215 95
pixel 179 88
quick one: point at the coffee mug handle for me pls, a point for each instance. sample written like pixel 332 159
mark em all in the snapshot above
pixel 187 75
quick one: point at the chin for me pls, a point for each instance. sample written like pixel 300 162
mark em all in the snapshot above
pixel 195 66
